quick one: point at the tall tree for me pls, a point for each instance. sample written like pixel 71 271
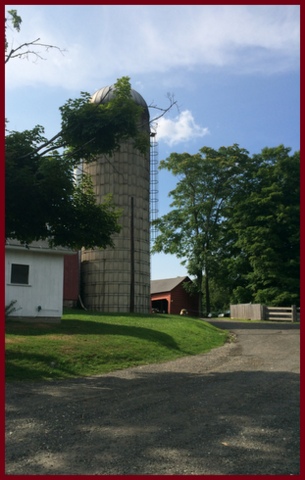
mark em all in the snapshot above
pixel 41 191
pixel 266 225
pixel 235 221
pixel 193 228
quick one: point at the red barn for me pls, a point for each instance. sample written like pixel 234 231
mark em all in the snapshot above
pixel 169 296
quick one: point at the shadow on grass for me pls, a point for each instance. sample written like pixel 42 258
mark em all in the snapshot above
pixel 22 365
pixel 86 327
pixel 39 366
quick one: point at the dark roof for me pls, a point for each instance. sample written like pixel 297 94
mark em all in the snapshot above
pixel 166 284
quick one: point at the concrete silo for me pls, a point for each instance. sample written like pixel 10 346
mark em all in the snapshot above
pixel 118 279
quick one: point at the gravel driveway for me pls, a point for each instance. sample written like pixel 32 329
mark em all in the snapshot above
pixel 234 410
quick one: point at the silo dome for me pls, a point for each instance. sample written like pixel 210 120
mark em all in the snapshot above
pixel 118 279
pixel 103 95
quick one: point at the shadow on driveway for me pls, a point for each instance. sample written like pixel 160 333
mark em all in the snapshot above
pixel 240 422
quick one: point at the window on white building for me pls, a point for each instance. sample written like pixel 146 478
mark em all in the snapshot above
pixel 20 274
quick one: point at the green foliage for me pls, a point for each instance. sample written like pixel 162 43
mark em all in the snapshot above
pixel 15 21
pixel 36 187
pixel 93 343
pixel 235 222
pixel 266 225
pixel 193 229
pixel 90 129
pixel 43 200
pixel 85 223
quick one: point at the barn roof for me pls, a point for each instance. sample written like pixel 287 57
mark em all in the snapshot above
pixel 166 284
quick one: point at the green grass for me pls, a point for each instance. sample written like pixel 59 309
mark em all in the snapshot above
pixel 93 343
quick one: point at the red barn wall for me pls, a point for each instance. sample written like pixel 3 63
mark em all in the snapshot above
pixel 180 298
pixel 71 280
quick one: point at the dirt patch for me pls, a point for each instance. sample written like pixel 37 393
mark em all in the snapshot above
pixel 13 340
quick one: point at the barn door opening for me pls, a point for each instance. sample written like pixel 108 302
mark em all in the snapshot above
pixel 160 306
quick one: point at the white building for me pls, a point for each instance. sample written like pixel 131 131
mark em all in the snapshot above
pixel 34 278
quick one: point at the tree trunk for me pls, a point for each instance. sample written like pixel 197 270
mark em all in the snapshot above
pixel 199 280
pixel 207 293
pixel 132 272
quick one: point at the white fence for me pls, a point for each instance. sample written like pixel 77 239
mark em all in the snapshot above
pixel 256 311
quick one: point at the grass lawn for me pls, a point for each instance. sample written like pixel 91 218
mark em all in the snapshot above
pixel 94 343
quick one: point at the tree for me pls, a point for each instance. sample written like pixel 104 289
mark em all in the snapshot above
pixel 43 201
pixel 266 224
pixel 42 198
pixel 193 228
pixel 235 221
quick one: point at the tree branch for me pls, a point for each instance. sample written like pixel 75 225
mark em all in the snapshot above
pixel 164 110
pixel 35 43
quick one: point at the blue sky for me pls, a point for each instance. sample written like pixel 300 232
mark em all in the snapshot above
pixel 234 71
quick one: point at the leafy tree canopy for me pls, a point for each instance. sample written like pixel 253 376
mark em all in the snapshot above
pixel 234 219
pixel 266 225
pixel 42 198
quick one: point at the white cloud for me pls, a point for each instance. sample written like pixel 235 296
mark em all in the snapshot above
pixel 182 128
pixel 106 42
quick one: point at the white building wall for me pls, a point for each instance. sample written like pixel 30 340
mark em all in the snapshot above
pixel 45 288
